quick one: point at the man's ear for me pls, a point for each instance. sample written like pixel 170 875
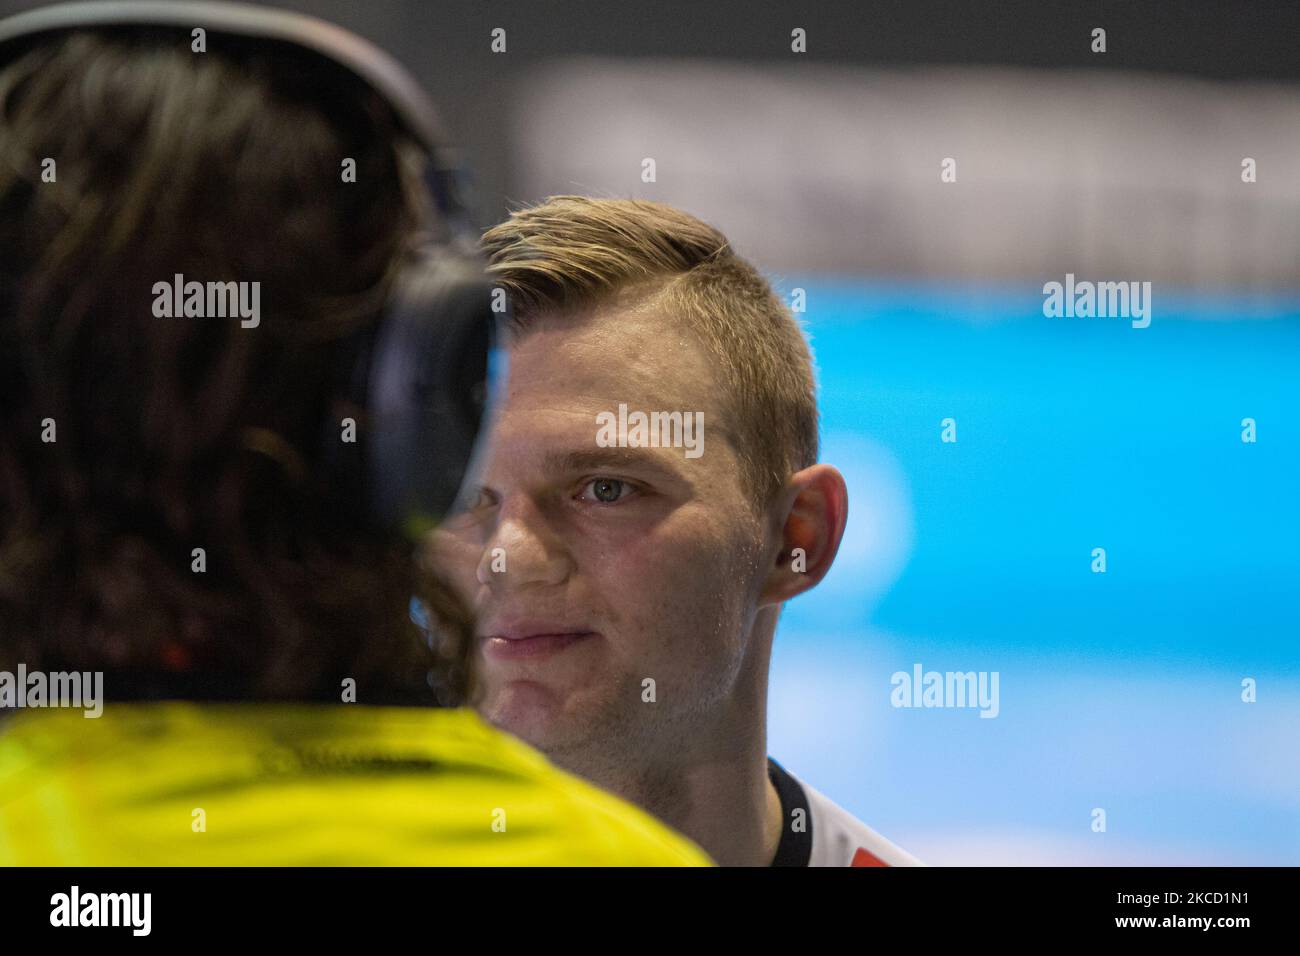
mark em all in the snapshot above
pixel 812 513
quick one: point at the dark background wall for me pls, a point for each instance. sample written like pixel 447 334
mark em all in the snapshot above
pixel 446 43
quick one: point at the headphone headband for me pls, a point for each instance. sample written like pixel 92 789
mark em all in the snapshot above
pixel 371 64
pixel 448 179
pixel 424 374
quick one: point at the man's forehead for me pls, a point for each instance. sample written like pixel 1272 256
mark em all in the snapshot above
pixel 566 427
pixel 574 373
pixel 605 354
pixel 550 446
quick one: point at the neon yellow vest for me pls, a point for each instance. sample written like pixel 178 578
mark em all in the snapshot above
pixel 181 784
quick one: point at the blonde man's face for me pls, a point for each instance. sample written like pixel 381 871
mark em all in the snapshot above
pixel 615 586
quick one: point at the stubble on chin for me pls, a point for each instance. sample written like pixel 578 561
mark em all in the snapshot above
pixel 587 734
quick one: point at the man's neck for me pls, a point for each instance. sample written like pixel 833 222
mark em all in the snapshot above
pixel 716 790
pixel 737 818
pixel 728 806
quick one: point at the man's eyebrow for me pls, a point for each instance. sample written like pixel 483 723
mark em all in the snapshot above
pixel 644 459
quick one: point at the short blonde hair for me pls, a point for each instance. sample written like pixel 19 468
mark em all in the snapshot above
pixel 572 252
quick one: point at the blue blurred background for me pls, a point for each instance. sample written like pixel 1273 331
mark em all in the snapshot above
pixel 1119 690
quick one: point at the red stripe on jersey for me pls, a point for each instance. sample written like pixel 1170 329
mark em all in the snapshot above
pixel 863 858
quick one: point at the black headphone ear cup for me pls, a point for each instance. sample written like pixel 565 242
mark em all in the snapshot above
pixel 426 393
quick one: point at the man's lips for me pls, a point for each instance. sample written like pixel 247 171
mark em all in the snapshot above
pixel 529 644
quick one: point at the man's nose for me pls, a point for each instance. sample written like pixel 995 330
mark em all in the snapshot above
pixel 523 550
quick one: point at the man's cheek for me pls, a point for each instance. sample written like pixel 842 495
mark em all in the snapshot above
pixel 676 601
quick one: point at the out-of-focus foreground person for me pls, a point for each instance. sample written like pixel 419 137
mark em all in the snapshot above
pixel 174 530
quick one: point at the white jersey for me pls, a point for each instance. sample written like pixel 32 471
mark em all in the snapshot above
pixel 825 834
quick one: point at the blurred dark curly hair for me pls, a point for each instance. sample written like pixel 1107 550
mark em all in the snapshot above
pixel 175 434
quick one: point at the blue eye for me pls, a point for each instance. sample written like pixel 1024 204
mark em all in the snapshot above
pixel 606 490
